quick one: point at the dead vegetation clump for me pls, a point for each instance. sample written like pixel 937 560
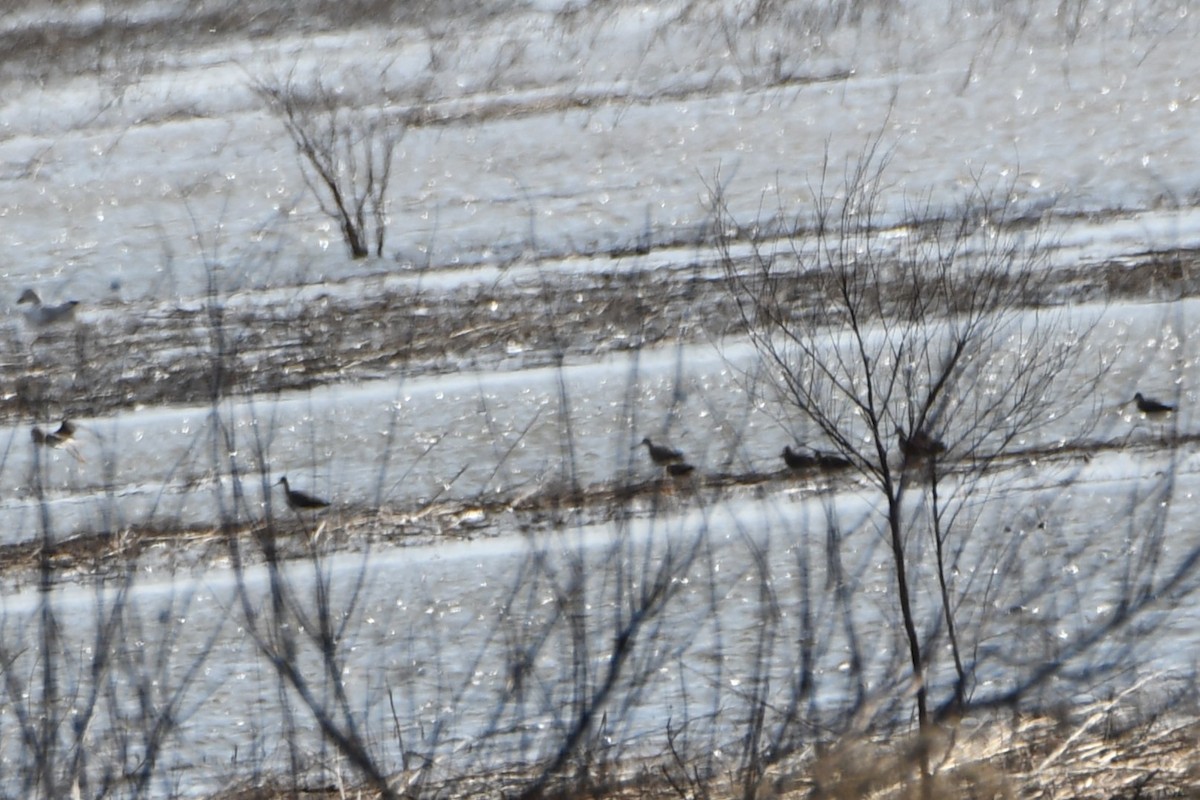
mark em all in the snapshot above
pixel 1091 755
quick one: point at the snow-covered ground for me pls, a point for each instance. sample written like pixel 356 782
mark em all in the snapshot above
pixel 561 142
pixel 106 189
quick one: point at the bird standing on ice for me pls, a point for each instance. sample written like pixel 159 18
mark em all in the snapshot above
pixel 299 500
pixel 660 454
pixel 1151 407
pixel 40 316
pixel 796 460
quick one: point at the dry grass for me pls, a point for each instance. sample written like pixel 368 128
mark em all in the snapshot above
pixel 148 355
pixel 1092 755
pixel 1089 756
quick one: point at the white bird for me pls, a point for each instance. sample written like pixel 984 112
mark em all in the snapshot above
pixel 39 316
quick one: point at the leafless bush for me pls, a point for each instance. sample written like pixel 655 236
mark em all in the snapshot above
pixel 345 153
pixel 921 350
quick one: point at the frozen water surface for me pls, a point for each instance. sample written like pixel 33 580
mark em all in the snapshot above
pixel 428 627
pixel 560 140
pixel 490 436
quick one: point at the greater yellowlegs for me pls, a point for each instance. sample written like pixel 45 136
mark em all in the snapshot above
pixel 299 500
pixel 661 454
pixel 796 460
pixel 819 459
pixel 40 315
pixel 832 461
pixel 1150 406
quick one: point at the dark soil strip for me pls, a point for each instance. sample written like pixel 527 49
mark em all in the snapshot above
pixel 553 509
pixel 139 355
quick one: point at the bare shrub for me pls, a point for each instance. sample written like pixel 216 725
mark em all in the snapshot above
pixel 918 343
pixel 919 347
pixel 345 153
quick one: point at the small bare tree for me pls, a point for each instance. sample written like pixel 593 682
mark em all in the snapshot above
pixel 920 350
pixel 345 155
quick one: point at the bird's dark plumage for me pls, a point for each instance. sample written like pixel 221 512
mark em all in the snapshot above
pixel 678 469
pixel 831 461
pixel 819 459
pixel 920 445
pixel 300 500
pixel 1148 405
pixel 796 460
pixel 661 454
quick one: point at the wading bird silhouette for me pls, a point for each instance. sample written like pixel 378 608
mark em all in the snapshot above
pixel 1151 407
pixel 796 460
pixel 831 461
pixel 298 500
pixel 661 454
pixel 819 459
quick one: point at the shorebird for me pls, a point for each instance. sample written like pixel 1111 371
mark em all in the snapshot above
pixel 63 438
pixel 819 459
pixel 661 454
pixel 1150 406
pixel 796 460
pixel 64 435
pixel 40 315
pixel 831 461
pixel 299 500
pixel 920 445
pixel 677 469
